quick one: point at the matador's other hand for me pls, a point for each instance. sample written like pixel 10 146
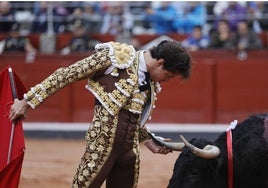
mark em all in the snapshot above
pixel 18 110
pixel 151 145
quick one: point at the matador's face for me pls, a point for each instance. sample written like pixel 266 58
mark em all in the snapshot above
pixel 159 74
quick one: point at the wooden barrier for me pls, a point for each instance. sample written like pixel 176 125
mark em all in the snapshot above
pixel 241 89
pixel 189 100
pixel 220 89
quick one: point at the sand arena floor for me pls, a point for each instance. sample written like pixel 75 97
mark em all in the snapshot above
pixel 51 163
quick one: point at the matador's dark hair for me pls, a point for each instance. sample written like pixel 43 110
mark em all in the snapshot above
pixel 177 59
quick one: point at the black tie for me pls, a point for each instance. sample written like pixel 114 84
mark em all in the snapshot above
pixel 147 85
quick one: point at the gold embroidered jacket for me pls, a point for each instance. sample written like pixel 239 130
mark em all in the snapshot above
pixel 122 91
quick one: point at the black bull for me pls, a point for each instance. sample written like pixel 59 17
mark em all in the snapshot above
pixel 250 159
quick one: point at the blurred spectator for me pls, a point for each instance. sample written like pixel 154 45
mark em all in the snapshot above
pixel 196 40
pixel 93 17
pixel 23 12
pixel 161 18
pixel 258 15
pixel 81 42
pixel 60 12
pixel 136 7
pixel 190 15
pixel 210 18
pixel 46 19
pixel 219 7
pixel 17 43
pixel 7 17
pixel 77 14
pixel 245 39
pixel 40 23
pixel 71 5
pixel 89 15
pixel 117 19
pixel 231 11
pixel 222 36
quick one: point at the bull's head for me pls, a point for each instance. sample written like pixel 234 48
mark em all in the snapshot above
pixel 191 171
pixel 208 152
pixel 250 159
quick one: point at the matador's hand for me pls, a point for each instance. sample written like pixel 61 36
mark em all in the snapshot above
pixel 151 145
pixel 18 110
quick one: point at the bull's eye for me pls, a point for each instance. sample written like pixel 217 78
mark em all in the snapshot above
pixel 194 172
pixel 194 175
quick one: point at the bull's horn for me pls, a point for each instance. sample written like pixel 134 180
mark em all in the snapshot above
pixel 176 146
pixel 208 152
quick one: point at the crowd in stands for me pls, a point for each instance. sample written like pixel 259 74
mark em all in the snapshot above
pixel 230 25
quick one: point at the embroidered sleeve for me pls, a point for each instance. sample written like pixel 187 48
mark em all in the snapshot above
pixel 64 76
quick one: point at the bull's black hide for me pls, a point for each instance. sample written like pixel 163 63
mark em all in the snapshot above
pixel 250 159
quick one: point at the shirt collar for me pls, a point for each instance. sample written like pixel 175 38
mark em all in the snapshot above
pixel 142 65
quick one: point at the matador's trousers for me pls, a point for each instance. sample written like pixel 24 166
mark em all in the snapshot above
pixel 112 152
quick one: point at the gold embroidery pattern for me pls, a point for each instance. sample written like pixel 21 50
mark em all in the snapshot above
pixel 136 150
pixel 99 139
pixel 103 97
pixel 66 75
pixel 122 55
pixel 113 101
pixel 124 87
pixel 116 99
pixel 135 105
